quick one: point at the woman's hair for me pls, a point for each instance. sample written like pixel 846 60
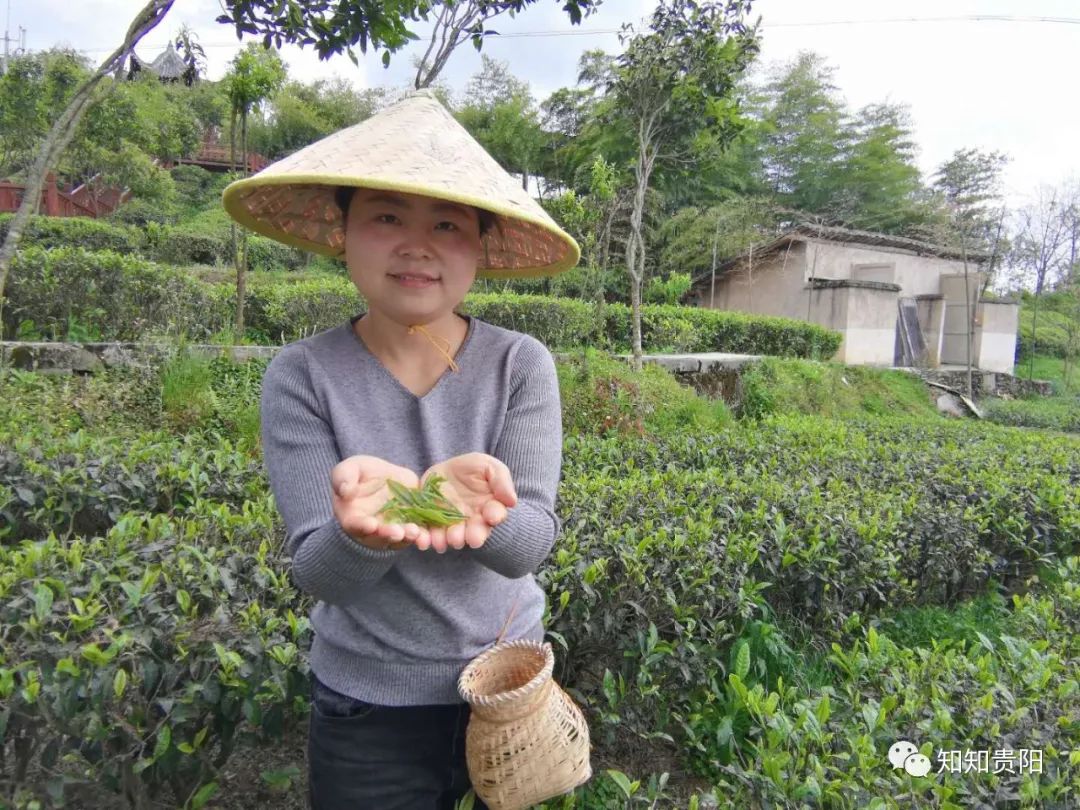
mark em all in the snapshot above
pixel 343 196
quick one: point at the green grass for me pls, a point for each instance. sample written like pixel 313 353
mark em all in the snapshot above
pixel 603 395
pixel 1049 413
pixel 187 395
pixel 987 615
pixel 778 386
pixel 1054 369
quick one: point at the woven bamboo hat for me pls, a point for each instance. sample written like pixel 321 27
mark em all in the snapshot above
pixel 417 147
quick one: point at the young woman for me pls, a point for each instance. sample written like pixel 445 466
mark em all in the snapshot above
pixel 408 390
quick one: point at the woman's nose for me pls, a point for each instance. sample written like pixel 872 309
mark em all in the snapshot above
pixel 414 244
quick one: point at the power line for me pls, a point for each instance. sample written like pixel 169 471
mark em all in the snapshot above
pixel 1007 18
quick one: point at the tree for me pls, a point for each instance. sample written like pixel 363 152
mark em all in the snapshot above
pixel 187 45
pixel 333 26
pixel 34 91
pixel 1040 247
pixel 255 73
pixel 803 135
pixel 696 239
pixel 499 112
pixel 969 187
pixel 673 85
pixel 878 185
pixel 64 128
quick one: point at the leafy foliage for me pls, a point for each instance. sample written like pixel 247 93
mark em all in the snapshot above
pixel 751 600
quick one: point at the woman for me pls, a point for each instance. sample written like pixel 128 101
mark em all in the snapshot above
pixel 409 390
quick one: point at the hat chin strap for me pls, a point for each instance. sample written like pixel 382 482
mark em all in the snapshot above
pixel 445 350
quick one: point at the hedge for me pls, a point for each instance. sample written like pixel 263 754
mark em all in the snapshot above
pixel 183 245
pixel 149 625
pixel 123 298
pixel 107 296
pixel 81 232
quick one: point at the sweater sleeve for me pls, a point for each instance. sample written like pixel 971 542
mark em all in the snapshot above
pixel 531 446
pixel 299 450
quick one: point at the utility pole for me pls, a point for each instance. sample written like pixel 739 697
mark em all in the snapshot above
pixel 20 41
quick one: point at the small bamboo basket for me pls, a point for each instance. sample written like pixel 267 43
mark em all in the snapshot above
pixel 527 741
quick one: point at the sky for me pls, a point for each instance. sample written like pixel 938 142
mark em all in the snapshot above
pixel 993 74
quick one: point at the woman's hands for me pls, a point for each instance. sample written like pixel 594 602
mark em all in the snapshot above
pixel 482 489
pixel 479 485
pixel 360 491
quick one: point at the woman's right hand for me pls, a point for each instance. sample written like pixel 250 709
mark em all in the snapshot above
pixel 360 491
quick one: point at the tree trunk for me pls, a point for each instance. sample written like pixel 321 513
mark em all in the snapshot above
pixel 1034 321
pixel 712 275
pixel 64 130
pixel 750 279
pixel 241 257
pixel 968 311
pixel 635 250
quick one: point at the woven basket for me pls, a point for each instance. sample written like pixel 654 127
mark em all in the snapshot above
pixel 526 741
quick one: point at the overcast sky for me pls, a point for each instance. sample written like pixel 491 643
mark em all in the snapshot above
pixel 1007 85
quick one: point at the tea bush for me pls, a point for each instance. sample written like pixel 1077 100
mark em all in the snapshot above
pixel 1056 413
pixel 190 244
pixel 135 663
pixel 77 232
pixel 695 594
pixel 121 297
pixel 127 298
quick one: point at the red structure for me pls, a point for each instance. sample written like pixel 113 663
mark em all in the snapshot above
pixel 82 201
pixel 90 200
pixel 215 156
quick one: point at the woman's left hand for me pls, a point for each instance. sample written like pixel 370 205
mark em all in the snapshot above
pixel 482 489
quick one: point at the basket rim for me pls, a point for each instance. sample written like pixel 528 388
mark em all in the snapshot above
pixel 532 685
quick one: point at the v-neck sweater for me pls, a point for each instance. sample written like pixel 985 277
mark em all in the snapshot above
pixel 397 627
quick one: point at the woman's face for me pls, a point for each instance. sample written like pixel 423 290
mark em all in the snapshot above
pixel 413 258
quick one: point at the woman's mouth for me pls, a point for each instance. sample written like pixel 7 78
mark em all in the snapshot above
pixel 406 280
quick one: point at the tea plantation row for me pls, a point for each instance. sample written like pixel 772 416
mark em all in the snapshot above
pixel 149 630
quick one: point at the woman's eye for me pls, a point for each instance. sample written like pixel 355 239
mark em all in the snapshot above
pixel 387 218
pixel 447 226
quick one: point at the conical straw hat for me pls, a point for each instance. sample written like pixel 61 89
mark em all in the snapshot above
pixel 414 147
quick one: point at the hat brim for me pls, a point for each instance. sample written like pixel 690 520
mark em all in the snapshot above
pixel 300 210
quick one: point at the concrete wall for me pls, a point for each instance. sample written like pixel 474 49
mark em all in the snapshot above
pixel 781 285
pixel 932 321
pixel 995 336
pixel 916 275
pixel 865 317
pixel 777 286
pixel 870 338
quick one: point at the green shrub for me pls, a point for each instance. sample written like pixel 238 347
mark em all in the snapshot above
pixel 287 312
pixel 696 592
pixel 81 485
pixel 189 245
pixel 135 663
pixel 265 255
pixel 602 396
pixel 77 232
pixel 141 213
pixel 121 297
pixel 557 322
pixel 1049 413
pixel 670 548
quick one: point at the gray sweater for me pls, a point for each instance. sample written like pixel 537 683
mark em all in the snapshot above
pixel 397 627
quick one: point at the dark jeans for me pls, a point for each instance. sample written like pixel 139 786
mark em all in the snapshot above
pixel 362 756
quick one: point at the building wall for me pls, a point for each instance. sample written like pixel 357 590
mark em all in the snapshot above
pixel 995 338
pixel 862 317
pixel 777 286
pixel 916 275
pixel 867 317
pixel 932 321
